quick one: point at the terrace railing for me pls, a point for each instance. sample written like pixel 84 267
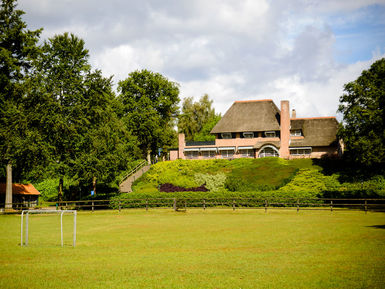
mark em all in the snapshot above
pixel 200 143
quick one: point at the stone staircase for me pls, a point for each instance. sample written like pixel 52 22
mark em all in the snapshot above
pixel 126 185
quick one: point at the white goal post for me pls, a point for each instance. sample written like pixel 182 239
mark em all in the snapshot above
pixel 61 212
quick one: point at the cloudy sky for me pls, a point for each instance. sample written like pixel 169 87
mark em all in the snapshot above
pixel 300 50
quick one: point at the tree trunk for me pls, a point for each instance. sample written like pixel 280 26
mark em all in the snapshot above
pixel 60 193
pixel 8 188
pixel 94 184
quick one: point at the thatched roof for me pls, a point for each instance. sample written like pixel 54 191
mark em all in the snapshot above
pixel 20 189
pixel 260 144
pixel 317 131
pixel 254 115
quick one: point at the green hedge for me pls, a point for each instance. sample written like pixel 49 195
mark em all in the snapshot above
pixel 223 198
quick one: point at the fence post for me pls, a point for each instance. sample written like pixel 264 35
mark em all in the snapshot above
pixel 366 206
pixel 120 205
pixel 174 206
pixel 146 204
pixel 265 206
pixel 204 204
pixel 331 206
pixel 233 205
pixel 92 206
pixel 297 205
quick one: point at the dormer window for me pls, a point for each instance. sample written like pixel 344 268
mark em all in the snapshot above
pixel 226 135
pixel 296 132
pixel 248 134
pixel 269 133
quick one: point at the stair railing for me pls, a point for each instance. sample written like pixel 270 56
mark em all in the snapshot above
pixel 133 171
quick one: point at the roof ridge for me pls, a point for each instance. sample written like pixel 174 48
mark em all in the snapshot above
pixel 253 100
pixel 317 117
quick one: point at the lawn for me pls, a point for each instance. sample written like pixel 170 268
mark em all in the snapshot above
pixel 197 249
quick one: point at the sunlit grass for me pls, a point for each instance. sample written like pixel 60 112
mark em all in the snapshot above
pixel 197 249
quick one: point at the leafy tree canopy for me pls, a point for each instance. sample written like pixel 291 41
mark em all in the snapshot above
pixel 149 107
pixel 363 109
pixel 197 119
pixel 17 50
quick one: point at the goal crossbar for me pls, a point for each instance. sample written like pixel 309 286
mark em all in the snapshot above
pixel 61 212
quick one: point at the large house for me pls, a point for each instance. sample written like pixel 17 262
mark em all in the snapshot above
pixel 258 128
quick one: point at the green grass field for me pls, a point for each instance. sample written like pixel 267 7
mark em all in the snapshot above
pixel 197 249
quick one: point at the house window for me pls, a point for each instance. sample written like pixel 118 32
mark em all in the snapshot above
pixel 268 151
pixel 226 135
pixel 248 134
pixel 227 154
pixel 269 133
pixel 296 132
pixel 300 151
pixel 209 154
pixel 247 153
pixel 191 154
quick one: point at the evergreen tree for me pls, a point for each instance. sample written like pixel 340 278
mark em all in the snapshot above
pixel 17 49
pixel 87 140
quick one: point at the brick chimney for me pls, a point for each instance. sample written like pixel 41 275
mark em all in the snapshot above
pixel 181 145
pixel 285 129
pixel 293 113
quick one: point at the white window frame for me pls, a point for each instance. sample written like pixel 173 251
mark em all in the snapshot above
pixel 296 132
pixel 227 135
pixel 270 132
pixel 247 153
pixel 263 155
pixel 248 134
pixel 210 154
pixel 191 155
pixel 227 154
pixel 301 151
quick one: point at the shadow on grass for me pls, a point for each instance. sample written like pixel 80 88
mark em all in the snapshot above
pixel 377 226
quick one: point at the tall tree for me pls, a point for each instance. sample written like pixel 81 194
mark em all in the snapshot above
pixel 60 71
pixel 17 49
pixel 197 119
pixel 149 107
pixel 363 109
pixel 88 141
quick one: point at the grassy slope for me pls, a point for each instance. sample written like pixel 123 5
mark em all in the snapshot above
pixel 271 172
pixel 197 249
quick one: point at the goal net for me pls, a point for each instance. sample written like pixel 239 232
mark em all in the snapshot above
pixel 25 228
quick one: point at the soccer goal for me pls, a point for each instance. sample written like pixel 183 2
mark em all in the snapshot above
pixel 61 212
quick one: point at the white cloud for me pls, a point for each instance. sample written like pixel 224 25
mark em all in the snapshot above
pixel 230 49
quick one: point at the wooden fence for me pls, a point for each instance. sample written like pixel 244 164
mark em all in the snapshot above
pixel 178 204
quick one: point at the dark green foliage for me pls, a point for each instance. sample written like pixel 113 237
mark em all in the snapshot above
pixel 17 50
pixel 75 111
pixel 223 198
pixel 149 105
pixel 363 109
pixel 197 119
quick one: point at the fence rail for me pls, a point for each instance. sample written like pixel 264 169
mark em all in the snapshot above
pixel 178 204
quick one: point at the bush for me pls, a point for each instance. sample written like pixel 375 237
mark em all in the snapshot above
pixel 220 198
pixel 213 183
pixel 311 182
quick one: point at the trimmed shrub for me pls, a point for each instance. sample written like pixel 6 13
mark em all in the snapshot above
pixel 221 198
pixel 213 183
